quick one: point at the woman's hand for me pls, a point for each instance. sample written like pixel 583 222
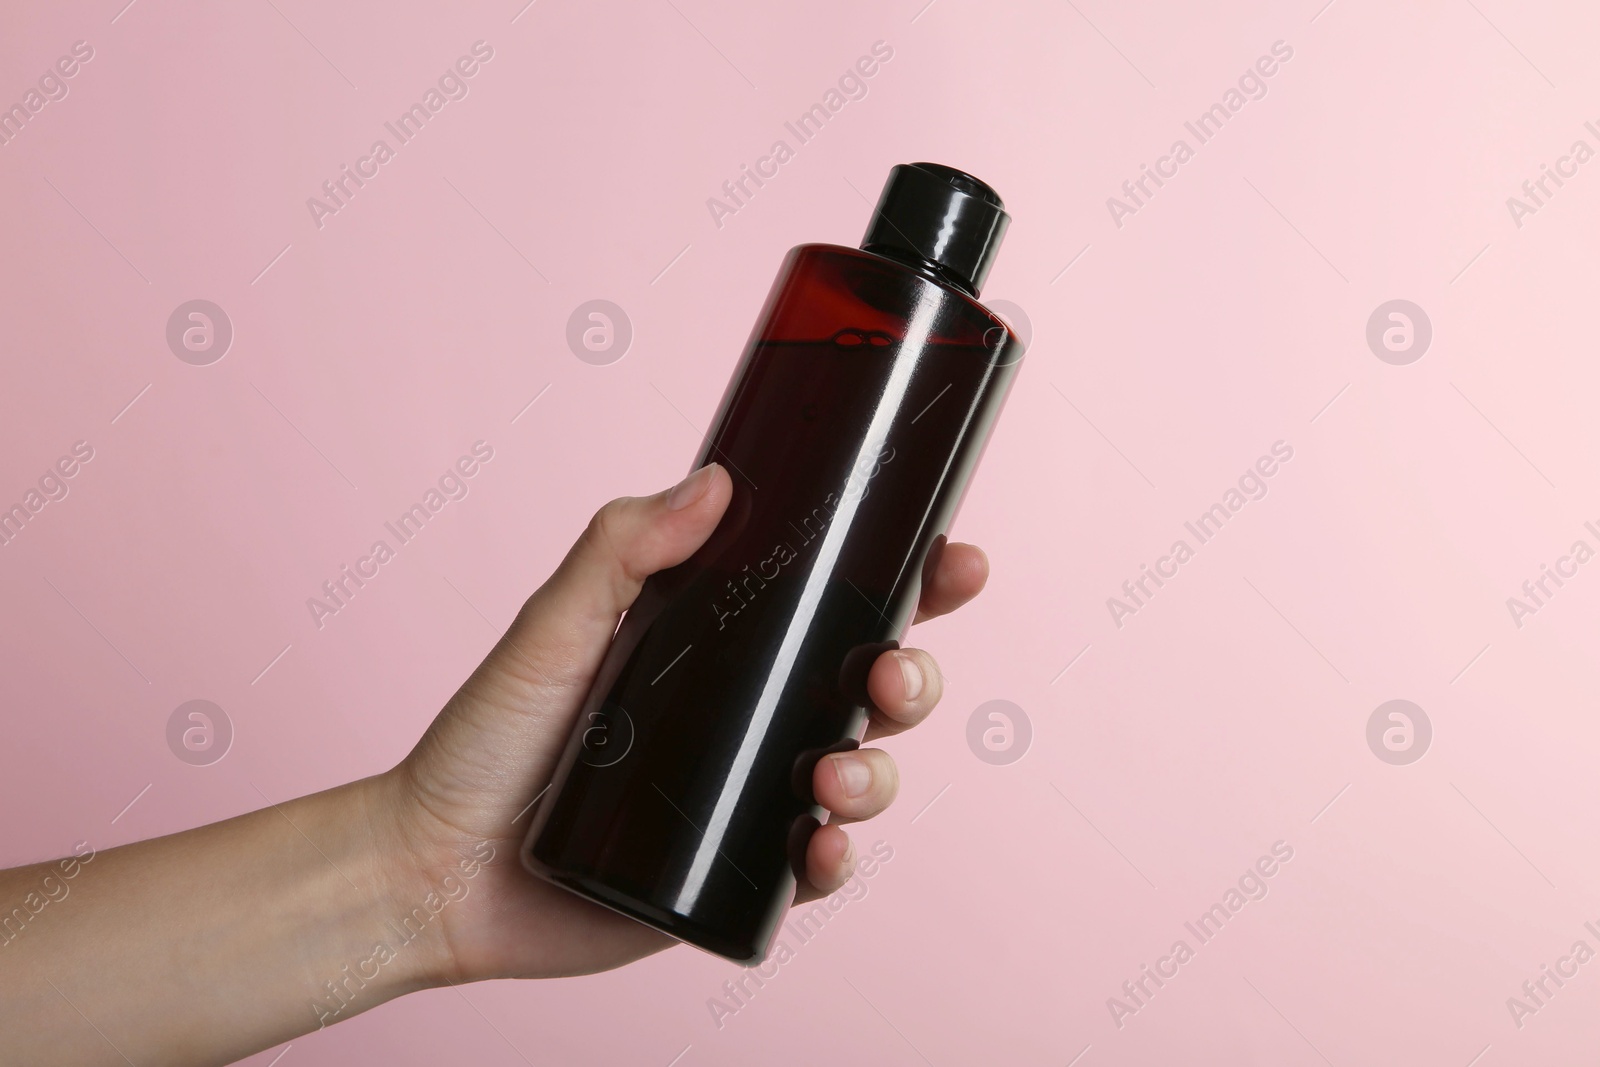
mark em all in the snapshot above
pixel 204 946
pixel 463 793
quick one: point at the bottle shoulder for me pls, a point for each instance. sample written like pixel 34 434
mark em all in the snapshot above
pixel 819 280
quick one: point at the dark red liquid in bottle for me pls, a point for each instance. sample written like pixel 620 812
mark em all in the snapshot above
pixel 850 430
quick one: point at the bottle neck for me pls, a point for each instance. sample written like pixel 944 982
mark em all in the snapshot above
pixel 922 265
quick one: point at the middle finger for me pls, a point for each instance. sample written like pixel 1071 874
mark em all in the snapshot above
pixel 855 785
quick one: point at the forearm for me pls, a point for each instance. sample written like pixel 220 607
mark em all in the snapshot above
pixel 205 946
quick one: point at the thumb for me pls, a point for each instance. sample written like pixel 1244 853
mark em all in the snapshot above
pixel 493 745
pixel 560 635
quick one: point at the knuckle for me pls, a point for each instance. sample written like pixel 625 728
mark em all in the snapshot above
pixel 615 536
pixel 605 527
pixel 606 538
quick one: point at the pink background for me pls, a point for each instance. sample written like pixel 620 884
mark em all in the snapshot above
pixel 1222 317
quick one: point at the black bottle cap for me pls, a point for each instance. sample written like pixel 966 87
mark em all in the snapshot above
pixel 940 221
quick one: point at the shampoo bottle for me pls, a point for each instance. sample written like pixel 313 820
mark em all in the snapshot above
pixel 850 429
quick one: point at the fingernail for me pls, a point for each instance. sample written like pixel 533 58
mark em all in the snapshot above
pixel 690 489
pixel 855 777
pixel 910 673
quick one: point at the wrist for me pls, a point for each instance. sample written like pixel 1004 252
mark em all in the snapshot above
pixel 412 892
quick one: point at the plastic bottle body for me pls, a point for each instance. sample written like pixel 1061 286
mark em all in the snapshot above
pixel 850 429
